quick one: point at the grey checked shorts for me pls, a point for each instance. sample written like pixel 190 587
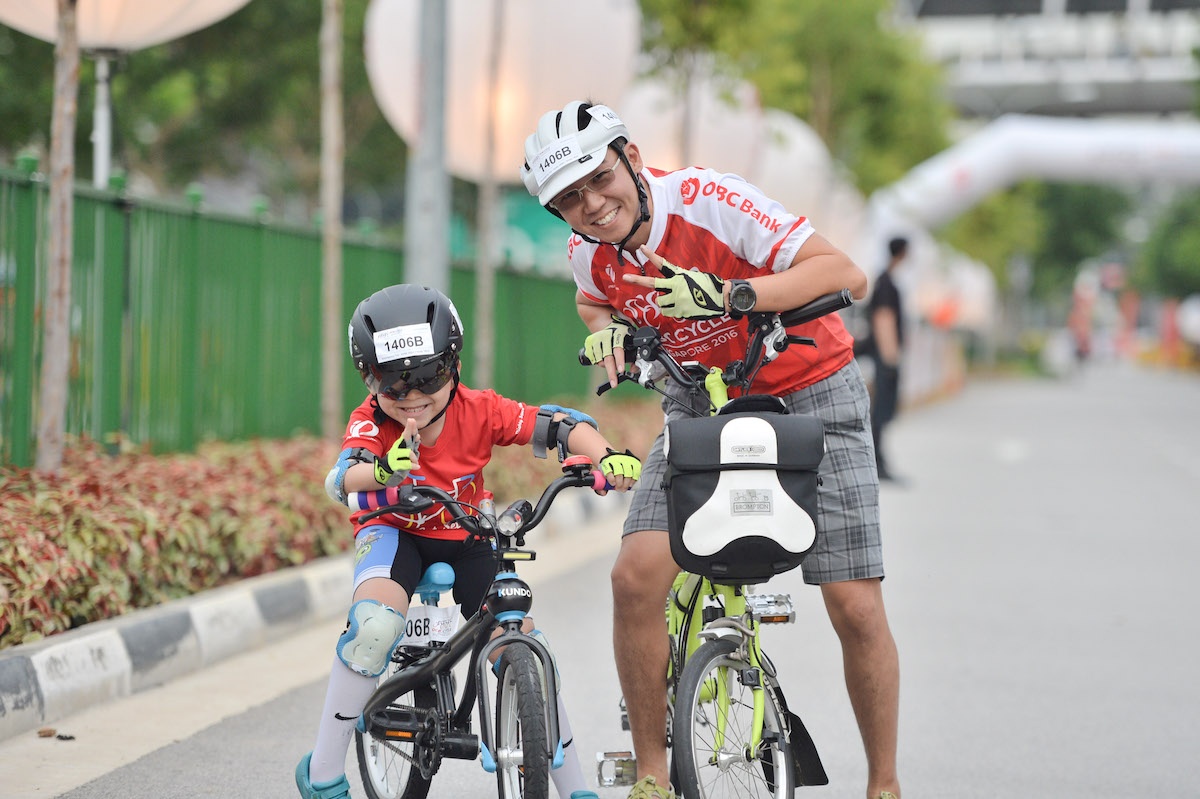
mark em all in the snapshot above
pixel 848 543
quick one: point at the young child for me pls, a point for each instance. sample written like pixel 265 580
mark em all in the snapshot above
pixel 406 341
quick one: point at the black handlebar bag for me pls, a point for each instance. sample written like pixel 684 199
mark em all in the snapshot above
pixel 742 493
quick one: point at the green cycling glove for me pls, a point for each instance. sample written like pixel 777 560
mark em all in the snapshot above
pixel 604 342
pixel 689 293
pixel 393 467
pixel 621 464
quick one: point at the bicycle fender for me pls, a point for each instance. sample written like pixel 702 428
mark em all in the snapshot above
pixel 486 728
pixel 808 767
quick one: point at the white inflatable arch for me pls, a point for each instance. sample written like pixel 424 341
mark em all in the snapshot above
pixel 1016 147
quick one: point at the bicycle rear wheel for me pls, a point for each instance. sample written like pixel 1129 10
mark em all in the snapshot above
pixel 522 761
pixel 713 722
pixel 389 768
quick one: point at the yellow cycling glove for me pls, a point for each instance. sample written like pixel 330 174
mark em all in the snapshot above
pixel 604 342
pixel 621 464
pixel 689 293
pixel 397 461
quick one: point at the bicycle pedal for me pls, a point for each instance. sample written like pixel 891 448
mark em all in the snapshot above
pixel 616 768
pixel 401 723
pixel 771 608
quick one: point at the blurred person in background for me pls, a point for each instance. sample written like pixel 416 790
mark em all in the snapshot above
pixel 885 317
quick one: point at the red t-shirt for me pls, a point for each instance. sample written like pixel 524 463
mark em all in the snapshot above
pixel 721 224
pixel 476 421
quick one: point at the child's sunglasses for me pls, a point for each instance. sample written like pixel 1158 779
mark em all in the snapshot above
pixel 428 379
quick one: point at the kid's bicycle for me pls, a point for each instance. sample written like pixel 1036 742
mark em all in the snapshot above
pixel 742 482
pixel 413 721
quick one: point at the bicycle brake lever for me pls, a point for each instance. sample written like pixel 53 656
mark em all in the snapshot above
pixel 604 387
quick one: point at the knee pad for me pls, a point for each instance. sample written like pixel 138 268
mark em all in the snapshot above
pixel 372 634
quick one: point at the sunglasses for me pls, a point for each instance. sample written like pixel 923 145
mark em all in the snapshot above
pixel 571 199
pixel 428 379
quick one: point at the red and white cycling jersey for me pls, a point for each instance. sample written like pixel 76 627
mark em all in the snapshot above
pixel 721 224
pixel 476 421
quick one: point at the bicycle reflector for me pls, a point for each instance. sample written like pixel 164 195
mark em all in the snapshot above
pixel 771 608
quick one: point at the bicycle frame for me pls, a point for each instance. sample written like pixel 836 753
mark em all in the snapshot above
pixel 508 600
pixel 434 669
pixel 736 621
pixel 687 626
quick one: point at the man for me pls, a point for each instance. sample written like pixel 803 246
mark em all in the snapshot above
pixel 886 316
pixel 674 250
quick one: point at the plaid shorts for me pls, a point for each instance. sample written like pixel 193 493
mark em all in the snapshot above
pixel 848 545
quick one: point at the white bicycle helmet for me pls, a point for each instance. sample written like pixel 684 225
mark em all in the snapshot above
pixel 567 146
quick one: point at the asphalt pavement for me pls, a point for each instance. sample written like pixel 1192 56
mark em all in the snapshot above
pixel 1040 561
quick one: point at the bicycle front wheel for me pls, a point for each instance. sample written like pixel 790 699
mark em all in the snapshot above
pixel 390 769
pixel 715 756
pixel 522 761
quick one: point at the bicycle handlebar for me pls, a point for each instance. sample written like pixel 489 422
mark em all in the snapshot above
pixel 645 343
pixel 821 306
pixel 514 521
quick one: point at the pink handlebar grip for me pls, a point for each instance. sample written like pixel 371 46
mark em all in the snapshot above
pixel 600 482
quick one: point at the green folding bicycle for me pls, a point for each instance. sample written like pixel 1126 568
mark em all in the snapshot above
pixel 742 482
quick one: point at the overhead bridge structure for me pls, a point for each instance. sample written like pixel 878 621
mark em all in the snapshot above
pixel 1062 57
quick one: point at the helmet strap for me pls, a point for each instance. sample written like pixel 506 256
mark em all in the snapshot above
pixel 643 205
pixel 453 392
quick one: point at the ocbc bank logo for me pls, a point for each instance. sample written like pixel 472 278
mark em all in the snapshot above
pixel 690 190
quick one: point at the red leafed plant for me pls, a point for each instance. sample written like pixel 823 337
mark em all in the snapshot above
pixel 112 533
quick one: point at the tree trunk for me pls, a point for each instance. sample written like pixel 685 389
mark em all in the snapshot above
pixel 333 326
pixel 487 245
pixel 56 331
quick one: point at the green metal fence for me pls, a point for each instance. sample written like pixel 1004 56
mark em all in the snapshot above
pixel 188 326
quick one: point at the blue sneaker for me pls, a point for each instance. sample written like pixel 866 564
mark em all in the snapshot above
pixel 335 789
pixel 584 795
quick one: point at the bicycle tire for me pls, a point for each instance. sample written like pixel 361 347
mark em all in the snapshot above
pixel 387 768
pixel 522 760
pixel 705 771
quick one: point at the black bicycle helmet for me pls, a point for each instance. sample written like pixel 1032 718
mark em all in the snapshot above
pixel 405 335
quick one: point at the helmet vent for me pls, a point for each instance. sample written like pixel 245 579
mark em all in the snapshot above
pixel 582 117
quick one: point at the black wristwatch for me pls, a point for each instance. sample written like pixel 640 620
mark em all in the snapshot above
pixel 741 296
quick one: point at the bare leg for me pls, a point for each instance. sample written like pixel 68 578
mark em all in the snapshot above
pixel 872 669
pixel 641 579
